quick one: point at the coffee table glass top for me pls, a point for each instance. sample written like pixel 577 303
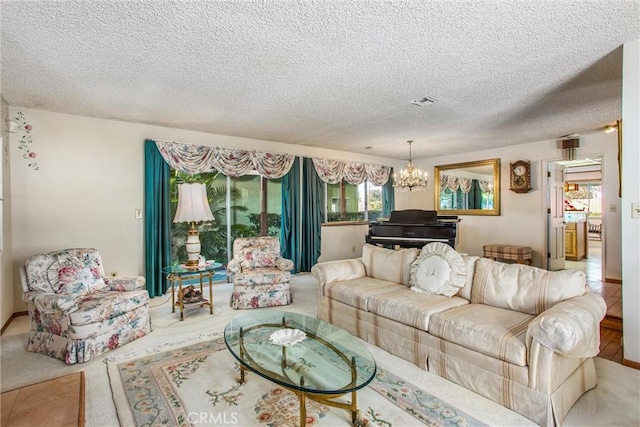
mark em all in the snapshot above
pixel 327 361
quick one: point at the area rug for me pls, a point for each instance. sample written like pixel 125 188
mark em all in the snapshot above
pixel 197 384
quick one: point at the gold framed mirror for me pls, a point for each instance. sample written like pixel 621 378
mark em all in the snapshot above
pixel 470 188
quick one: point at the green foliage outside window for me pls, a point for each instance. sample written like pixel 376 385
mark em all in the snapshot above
pixel 273 224
pixel 213 234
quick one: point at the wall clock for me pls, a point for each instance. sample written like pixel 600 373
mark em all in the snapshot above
pixel 520 176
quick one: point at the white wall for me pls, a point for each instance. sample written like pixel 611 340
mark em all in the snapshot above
pixel 6 285
pixel 522 218
pixel 90 181
pixel 342 241
pixel 631 194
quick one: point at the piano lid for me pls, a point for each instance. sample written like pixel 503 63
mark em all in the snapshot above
pixel 413 216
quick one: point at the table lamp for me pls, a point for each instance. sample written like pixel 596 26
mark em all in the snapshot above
pixel 193 207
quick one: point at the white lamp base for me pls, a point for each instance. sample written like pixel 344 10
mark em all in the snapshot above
pixel 193 247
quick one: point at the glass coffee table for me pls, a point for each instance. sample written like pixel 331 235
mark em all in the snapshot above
pixel 314 359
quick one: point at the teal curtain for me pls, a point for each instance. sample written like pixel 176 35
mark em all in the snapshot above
pixel 312 215
pixel 290 231
pixel 157 219
pixel 388 197
pixel 475 195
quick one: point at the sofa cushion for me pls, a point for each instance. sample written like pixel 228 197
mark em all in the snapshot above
pixel 439 269
pixel 130 319
pixel 356 292
pixel 101 306
pixel 523 288
pixel 493 331
pixel 410 308
pixel 387 264
pixel 261 276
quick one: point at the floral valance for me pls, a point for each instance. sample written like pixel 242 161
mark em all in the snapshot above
pixel 334 171
pixel 453 183
pixel 193 159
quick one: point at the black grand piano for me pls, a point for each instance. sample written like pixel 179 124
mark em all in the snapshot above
pixel 414 228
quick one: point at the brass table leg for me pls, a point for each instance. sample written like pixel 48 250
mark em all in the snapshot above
pixel 303 405
pixel 173 293
pixel 303 410
pixel 180 300
pixel 210 292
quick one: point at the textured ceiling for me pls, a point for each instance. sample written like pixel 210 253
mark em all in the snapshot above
pixel 335 74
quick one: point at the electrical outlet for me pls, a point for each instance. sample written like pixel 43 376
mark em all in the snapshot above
pixel 138 213
pixel 613 208
pixel 635 210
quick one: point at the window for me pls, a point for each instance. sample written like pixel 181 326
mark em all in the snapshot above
pixel 244 206
pixel 349 202
pixel 588 196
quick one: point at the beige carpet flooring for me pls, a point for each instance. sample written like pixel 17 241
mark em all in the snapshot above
pixel 614 402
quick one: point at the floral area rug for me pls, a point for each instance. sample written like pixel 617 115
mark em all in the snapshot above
pixel 197 384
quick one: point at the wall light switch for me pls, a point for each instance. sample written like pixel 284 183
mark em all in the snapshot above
pixel 138 213
pixel 635 210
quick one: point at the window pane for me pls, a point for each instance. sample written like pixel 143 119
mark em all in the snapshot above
pixel 333 202
pixel 274 206
pixel 354 202
pixel 374 202
pixel 212 234
pixel 245 206
pixel 588 197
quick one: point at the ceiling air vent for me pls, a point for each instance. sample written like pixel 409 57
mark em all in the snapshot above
pixel 423 102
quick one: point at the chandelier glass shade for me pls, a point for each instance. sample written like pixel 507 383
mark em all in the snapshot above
pixel 411 178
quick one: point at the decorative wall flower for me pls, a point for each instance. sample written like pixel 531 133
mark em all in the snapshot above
pixel 26 141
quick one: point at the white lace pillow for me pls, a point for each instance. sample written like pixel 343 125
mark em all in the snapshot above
pixel 438 270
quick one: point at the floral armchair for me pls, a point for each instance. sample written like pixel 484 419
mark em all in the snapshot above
pixel 260 275
pixel 76 313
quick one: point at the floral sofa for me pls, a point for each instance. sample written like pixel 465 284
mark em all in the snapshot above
pixel 521 336
pixel 261 276
pixel 76 313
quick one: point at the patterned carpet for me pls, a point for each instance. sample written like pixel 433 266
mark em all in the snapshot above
pixel 197 384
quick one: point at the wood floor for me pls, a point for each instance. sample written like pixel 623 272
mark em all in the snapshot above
pixel 611 326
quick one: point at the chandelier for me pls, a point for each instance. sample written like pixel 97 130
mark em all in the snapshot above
pixel 411 178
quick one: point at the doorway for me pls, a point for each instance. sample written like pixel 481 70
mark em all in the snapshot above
pixel 582 216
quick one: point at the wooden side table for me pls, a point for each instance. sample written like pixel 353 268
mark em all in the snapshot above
pixel 179 274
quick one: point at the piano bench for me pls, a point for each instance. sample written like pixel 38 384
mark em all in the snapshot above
pixel 519 254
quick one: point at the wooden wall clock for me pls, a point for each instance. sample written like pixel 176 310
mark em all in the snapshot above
pixel 520 176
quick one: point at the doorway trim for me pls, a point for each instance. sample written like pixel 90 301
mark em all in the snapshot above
pixel 545 163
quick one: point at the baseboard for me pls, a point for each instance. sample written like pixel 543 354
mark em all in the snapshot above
pixel 618 281
pixel 631 363
pixel 13 316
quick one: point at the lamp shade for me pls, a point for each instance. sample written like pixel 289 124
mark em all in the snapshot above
pixel 193 205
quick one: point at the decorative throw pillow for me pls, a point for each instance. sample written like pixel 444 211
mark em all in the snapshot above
pixel 69 275
pixel 438 270
pixel 388 264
